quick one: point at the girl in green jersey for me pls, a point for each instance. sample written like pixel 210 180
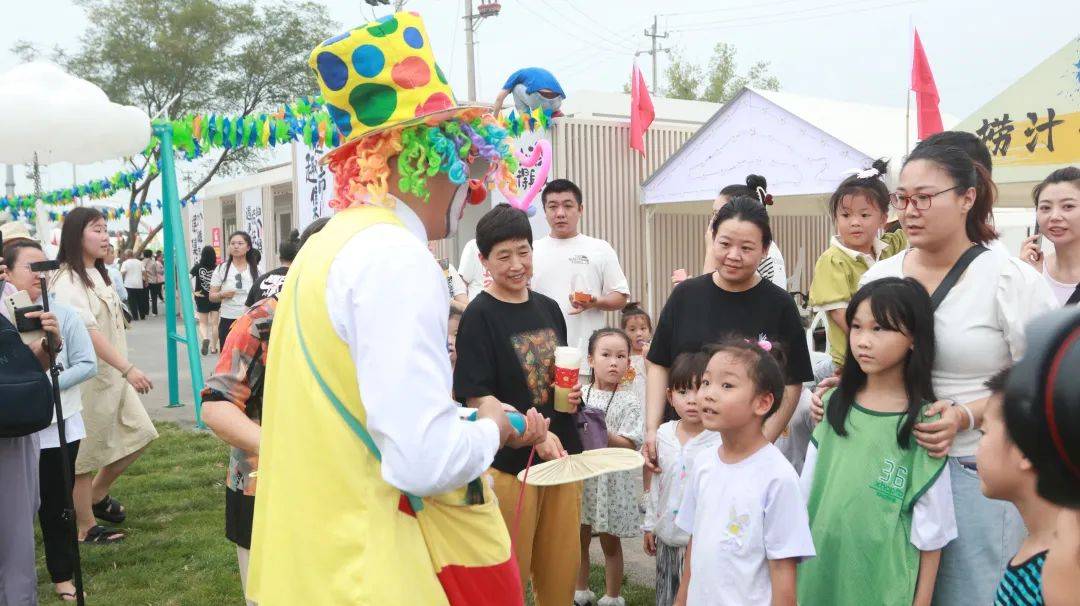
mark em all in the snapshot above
pixel 880 508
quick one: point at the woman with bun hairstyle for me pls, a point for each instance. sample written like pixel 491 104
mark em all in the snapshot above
pixel 772 266
pixel 732 300
pixel 1057 210
pixel 944 201
pixel 860 209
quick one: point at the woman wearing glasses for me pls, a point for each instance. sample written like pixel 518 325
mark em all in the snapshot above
pixel 944 201
pixel 232 281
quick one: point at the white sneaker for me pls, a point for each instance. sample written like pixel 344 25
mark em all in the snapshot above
pixel 610 601
pixel 584 598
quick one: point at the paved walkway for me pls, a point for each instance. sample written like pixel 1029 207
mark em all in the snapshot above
pixel 146 348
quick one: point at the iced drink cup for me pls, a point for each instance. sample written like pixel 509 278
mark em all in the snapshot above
pixel 567 366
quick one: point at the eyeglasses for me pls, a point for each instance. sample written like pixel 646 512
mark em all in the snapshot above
pixel 239 281
pixel 900 201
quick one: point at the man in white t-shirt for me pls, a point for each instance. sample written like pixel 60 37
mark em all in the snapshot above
pixel 472 271
pixel 132 270
pixel 568 256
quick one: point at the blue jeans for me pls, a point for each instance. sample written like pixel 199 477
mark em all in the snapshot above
pixel 990 534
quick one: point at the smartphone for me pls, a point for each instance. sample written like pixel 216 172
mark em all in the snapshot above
pixel 18 305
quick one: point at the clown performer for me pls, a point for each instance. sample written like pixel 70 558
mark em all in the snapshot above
pixel 368 478
pixel 532 87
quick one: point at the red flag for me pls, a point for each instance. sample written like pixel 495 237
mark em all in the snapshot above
pixel 926 95
pixel 641 111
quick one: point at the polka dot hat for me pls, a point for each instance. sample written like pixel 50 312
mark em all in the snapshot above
pixel 382 75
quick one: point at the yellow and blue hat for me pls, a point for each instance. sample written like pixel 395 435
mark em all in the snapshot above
pixel 383 75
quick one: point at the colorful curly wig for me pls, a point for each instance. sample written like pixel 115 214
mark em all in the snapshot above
pixel 423 151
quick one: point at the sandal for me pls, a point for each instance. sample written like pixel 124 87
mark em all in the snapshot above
pixel 102 535
pixel 110 510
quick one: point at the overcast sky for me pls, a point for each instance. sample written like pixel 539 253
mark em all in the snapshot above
pixel 839 49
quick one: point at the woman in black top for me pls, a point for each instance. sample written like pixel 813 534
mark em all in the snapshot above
pixel 732 300
pixel 205 309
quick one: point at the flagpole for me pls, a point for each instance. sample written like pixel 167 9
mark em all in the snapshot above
pixel 907 90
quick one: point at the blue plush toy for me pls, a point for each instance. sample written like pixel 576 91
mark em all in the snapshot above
pixel 532 87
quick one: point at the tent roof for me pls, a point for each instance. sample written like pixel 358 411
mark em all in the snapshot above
pixel 1054 84
pixel 602 105
pixel 803 145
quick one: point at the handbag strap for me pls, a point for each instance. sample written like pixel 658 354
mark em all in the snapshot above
pixel 350 419
pixel 1075 297
pixel 954 274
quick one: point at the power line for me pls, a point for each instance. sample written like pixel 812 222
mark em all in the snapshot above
pixel 730 8
pixel 562 26
pixel 838 10
pixel 622 38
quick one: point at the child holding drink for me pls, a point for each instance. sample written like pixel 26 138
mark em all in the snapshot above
pixel 609 505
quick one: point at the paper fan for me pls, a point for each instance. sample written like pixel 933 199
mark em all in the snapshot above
pixel 588 464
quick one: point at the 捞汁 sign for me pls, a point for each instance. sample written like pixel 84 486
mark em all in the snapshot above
pixel 1034 126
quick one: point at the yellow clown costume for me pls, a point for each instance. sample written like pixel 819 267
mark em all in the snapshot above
pixel 368 490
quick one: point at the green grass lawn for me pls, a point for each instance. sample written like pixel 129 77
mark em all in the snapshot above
pixel 176 553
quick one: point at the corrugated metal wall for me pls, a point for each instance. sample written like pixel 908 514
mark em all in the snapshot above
pixel 596 156
pixel 802 240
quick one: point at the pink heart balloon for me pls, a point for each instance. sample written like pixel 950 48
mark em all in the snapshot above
pixel 541 151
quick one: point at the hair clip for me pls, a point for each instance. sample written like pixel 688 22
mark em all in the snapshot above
pixel 866 173
pixel 765 344
pixel 764 196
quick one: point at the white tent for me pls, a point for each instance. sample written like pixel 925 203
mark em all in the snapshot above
pixel 803 145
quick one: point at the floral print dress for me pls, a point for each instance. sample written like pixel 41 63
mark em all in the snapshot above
pixel 610 502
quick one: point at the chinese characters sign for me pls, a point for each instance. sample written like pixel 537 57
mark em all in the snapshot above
pixel 314 184
pixel 1033 126
pixel 197 228
pixel 1035 133
pixel 252 218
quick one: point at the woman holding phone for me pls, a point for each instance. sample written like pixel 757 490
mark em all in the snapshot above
pixel 1057 211
pixel 232 281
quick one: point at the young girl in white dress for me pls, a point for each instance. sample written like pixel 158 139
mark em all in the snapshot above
pixel 609 505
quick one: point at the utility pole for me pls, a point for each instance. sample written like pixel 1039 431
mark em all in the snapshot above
pixel 652 34
pixel 469 44
pixel 488 8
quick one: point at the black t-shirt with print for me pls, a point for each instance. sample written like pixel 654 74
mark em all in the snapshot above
pixel 507 350
pixel 699 312
pixel 203 276
pixel 266 285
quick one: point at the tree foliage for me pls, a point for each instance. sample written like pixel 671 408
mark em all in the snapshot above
pixel 717 82
pixel 227 56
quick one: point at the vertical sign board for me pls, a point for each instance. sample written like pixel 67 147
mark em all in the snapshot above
pixel 196 229
pixel 313 184
pixel 252 219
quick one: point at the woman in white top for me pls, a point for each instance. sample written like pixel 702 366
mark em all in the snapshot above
pixel 117 426
pixel 944 200
pixel 1057 209
pixel 232 280
pixel 78 362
